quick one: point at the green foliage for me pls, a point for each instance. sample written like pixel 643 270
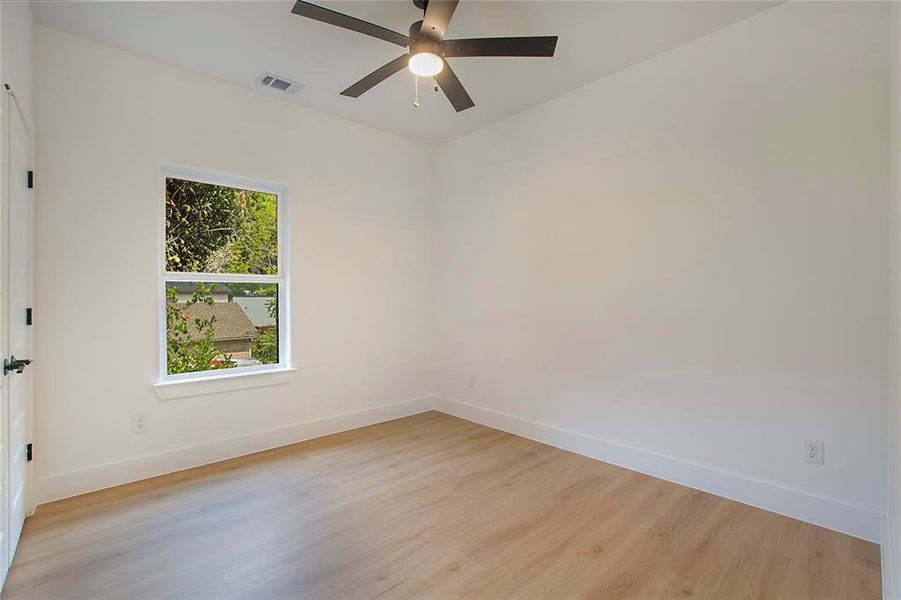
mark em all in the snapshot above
pixel 254 247
pixel 265 349
pixel 200 219
pixel 217 229
pixel 241 288
pixel 187 353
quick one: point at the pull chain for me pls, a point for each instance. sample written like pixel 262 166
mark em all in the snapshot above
pixel 415 91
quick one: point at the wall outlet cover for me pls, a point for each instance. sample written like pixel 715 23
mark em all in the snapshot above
pixel 813 451
pixel 139 423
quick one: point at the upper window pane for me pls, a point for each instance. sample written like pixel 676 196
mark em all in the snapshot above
pixel 219 229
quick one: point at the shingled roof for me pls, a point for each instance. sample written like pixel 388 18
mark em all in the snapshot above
pixel 231 321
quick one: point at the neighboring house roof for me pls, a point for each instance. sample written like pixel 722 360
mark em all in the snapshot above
pixel 231 322
pixel 257 309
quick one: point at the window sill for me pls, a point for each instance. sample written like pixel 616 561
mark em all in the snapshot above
pixel 183 388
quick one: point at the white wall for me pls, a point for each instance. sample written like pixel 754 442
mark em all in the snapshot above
pixel 688 260
pixel 360 255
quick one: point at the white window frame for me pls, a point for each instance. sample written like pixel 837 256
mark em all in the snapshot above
pixel 280 190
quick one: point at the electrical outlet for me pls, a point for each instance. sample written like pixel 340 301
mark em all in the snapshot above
pixel 139 423
pixel 472 382
pixel 813 451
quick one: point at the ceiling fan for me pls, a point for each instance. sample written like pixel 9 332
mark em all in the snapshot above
pixel 427 48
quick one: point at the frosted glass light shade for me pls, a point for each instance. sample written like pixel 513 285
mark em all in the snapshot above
pixel 426 64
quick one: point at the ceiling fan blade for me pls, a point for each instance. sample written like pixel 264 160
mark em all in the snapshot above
pixel 502 46
pixel 438 14
pixel 318 13
pixel 377 76
pixel 453 89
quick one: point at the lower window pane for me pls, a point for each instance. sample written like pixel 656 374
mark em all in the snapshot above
pixel 222 325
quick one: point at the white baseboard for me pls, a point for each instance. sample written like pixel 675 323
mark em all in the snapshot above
pixel 889 591
pixel 64 485
pixel 826 512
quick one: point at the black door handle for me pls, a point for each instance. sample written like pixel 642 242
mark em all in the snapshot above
pixel 15 364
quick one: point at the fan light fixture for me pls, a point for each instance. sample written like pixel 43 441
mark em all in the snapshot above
pixel 426 64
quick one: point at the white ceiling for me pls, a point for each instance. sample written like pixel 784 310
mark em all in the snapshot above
pixel 237 41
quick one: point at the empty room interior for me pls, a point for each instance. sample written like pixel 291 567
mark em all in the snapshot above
pixel 484 299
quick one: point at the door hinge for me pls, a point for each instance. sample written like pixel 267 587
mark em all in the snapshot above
pixel 30 180
pixel 29 453
pixel 28 316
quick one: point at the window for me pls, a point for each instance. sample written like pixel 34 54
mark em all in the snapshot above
pixel 223 285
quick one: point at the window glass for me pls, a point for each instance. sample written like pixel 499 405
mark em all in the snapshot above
pixel 221 278
pixel 216 325
pixel 218 229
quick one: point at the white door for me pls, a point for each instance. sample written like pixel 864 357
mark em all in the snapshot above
pixel 16 387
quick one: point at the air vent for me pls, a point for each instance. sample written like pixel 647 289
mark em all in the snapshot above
pixel 279 84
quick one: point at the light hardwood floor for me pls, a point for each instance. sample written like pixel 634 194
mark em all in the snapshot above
pixel 429 506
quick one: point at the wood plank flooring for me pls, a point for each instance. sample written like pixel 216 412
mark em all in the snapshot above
pixel 429 506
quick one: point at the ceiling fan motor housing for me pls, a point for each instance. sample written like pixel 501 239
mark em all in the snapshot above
pixel 426 45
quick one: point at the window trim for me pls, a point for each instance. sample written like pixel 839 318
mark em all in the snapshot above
pixel 280 190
